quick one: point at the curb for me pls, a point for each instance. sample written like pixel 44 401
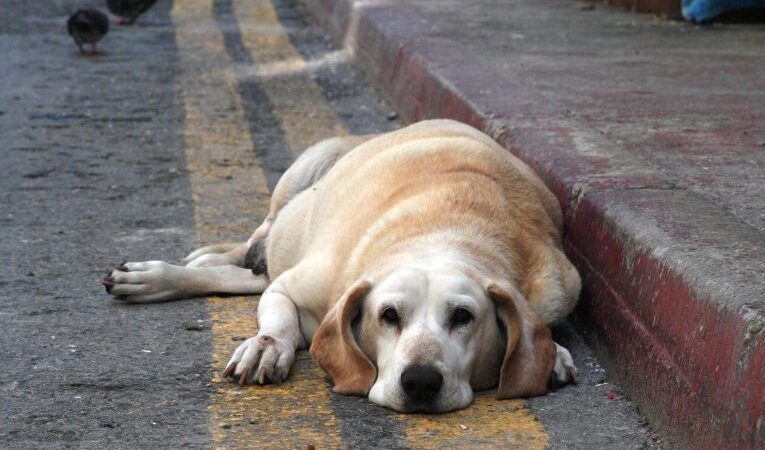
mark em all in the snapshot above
pixel 672 298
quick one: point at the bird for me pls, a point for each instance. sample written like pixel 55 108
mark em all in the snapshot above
pixel 128 10
pixel 87 26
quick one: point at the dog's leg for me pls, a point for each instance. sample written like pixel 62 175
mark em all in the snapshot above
pixel 223 247
pixel 564 371
pixel 268 356
pixel 154 281
pixel 218 255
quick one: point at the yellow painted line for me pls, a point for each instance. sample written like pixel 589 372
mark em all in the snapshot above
pixel 298 102
pixel 227 182
pixel 229 188
pixel 487 423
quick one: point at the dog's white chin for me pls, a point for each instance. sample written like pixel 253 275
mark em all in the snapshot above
pixel 396 400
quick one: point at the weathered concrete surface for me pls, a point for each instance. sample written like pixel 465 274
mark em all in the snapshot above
pixel 651 135
pixel 76 195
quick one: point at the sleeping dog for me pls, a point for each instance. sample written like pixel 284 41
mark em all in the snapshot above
pixel 418 266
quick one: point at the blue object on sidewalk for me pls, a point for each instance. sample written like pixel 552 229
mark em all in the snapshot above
pixel 704 10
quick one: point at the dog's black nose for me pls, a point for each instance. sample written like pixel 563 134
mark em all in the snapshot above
pixel 421 383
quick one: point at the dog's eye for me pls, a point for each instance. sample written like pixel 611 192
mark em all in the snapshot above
pixel 390 316
pixel 460 317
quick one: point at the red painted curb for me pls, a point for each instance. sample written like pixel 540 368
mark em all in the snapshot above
pixel 718 402
pixel 689 356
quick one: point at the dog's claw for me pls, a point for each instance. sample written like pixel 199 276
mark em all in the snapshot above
pixel 108 283
pixel 572 374
pixel 244 376
pixel 247 374
pixel 229 370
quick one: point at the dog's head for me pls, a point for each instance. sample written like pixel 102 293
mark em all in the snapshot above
pixel 423 340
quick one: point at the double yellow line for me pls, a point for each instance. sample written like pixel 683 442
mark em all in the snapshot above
pixel 230 189
pixel 230 192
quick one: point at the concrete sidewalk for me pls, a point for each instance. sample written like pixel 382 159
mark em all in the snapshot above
pixel 652 135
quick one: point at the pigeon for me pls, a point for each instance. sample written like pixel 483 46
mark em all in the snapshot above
pixel 128 10
pixel 87 26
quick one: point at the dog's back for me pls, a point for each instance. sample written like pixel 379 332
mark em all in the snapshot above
pixel 433 177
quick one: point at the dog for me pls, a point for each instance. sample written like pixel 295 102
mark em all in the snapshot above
pixel 417 266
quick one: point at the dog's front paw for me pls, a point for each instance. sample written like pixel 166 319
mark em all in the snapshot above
pixel 564 371
pixel 261 359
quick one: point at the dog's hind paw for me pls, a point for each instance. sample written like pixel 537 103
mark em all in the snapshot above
pixel 261 359
pixel 143 282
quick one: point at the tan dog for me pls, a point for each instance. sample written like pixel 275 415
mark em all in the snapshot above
pixel 419 265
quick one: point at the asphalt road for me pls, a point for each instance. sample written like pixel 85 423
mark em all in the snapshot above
pixel 172 137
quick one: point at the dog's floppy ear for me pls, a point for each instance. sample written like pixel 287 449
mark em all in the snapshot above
pixel 336 350
pixel 530 353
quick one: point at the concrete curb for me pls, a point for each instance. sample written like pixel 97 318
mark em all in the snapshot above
pixel 673 291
